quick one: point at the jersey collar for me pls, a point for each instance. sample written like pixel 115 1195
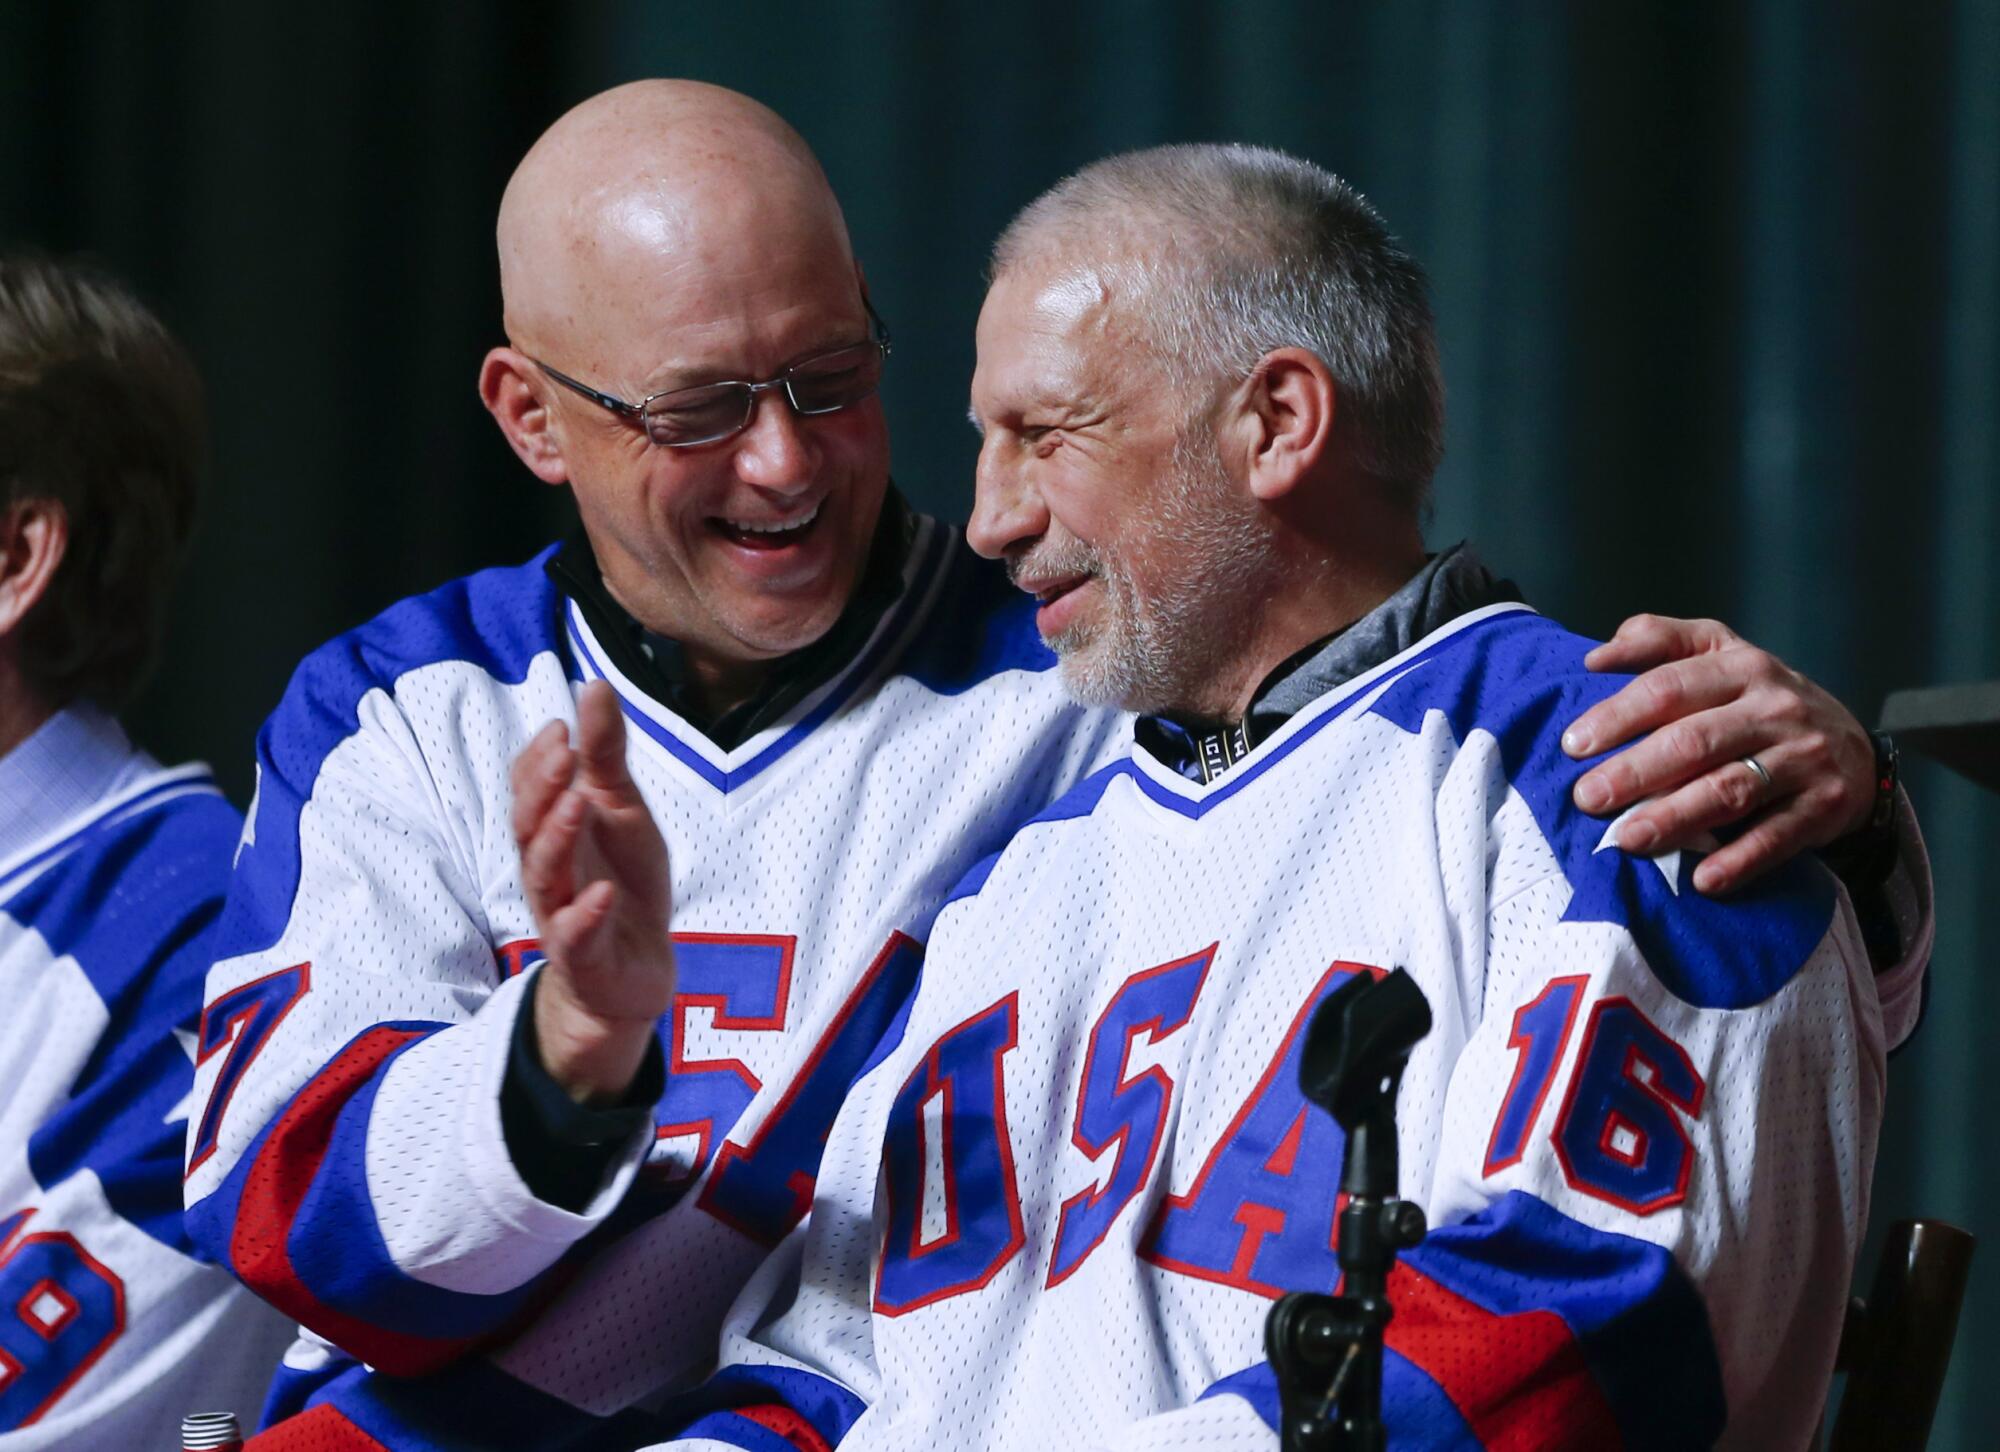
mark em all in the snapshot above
pixel 656 666
pixel 1451 584
pixel 917 585
pixel 74 760
pixel 1162 783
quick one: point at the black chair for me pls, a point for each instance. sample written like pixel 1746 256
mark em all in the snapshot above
pixel 1895 1346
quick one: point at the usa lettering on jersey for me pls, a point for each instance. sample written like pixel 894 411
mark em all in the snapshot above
pixel 1642 1128
pixel 348 1160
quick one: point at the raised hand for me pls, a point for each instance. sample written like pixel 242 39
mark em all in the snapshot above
pixel 1713 700
pixel 594 866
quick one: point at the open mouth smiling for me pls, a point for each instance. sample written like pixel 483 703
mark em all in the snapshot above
pixel 768 534
pixel 1055 600
pixel 1047 592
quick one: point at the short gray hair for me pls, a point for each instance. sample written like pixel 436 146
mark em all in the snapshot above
pixel 1244 250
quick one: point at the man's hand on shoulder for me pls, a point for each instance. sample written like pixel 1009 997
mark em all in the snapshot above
pixel 1714 702
pixel 594 866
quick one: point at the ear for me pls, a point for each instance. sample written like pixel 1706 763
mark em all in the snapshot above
pixel 34 537
pixel 1285 417
pixel 515 393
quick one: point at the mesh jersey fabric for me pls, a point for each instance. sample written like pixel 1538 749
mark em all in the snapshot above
pixel 1058 1211
pixel 349 1162
pixel 110 1326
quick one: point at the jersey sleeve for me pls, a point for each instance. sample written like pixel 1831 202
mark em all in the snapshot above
pixel 349 1162
pixel 1652 1157
pixel 135 912
pixel 1907 897
pixel 1662 1130
pixel 1644 1210
pixel 109 1325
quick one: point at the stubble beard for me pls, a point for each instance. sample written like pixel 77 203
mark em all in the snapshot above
pixel 1164 652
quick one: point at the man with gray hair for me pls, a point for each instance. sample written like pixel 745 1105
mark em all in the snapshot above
pixel 1057 1212
pixel 112 870
pixel 577 892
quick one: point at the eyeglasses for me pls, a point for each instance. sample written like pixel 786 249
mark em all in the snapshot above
pixel 684 418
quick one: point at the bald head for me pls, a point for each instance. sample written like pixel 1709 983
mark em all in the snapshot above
pixel 654 185
pixel 669 236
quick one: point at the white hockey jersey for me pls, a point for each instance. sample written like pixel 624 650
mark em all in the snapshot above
pixel 349 1163
pixel 110 1328
pixel 1058 1212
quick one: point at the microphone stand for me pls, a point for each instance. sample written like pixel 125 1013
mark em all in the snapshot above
pixel 1327 1349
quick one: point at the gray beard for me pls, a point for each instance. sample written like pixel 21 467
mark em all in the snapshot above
pixel 1158 654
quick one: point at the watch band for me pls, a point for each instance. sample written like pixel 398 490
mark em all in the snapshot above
pixel 1865 857
pixel 1887 762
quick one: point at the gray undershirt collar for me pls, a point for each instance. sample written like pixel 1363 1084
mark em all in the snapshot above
pixel 1451 583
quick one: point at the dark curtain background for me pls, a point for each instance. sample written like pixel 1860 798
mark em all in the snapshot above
pixel 1719 290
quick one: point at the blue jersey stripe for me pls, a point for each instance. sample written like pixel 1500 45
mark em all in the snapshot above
pixel 828 1406
pixel 15 879
pixel 336 1272
pixel 133 902
pixel 1523 684
pixel 1638 1319
pixel 1415 1410
pixel 338 1252
pixel 468 1408
pixel 500 621
pixel 1079 801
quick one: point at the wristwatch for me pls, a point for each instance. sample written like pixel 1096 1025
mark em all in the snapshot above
pixel 1866 855
pixel 1864 860
pixel 1886 762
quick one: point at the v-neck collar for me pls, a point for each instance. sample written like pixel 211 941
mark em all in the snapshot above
pixel 1165 786
pixel 726 770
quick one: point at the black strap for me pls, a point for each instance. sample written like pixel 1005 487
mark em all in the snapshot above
pixel 563 1149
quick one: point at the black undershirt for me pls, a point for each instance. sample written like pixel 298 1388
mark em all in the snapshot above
pixel 658 665
pixel 563 1150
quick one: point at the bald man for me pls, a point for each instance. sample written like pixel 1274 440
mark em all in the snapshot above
pixel 461 1094
pixel 468 1092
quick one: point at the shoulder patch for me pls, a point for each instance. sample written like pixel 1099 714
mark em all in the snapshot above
pixel 130 881
pixel 1079 801
pixel 499 620
pixel 133 905
pixel 1522 681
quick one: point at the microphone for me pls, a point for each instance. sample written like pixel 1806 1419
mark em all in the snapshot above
pixel 1327 1349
